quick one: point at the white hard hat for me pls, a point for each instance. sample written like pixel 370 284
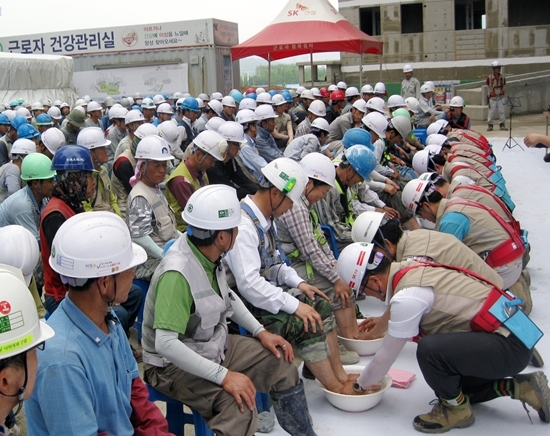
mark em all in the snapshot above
pixel 185 95
pixel 232 131
pixel 402 124
pixel 247 103
pixel 204 97
pixel 57 103
pixel 396 101
pixel 164 108
pixel 200 101
pixel 118 113
pixel 407 68
pixel 168 130
pixel 87 98
pixel 153 148
pixel 412 104
pixel 380 88
pixel 18 305
pixel 23 146
pixel 92 137
pixel 360 105
pixel 317 107
pixel 457 101
pixel 365 226
pixel 299 90
pixel 277 100
pixel 214 207
pixel 264 97
pixel 64 104
pixel 214 123
pixel 147 103
pixel 367 89
pixel 216 106
pixel 319 167
pixel 133 116
pixel 376 104
pixel 495 64
pixel 245 116
pixel 316 92
pixel 353 262
pixel 53 138
pixel 287 176
pixel 425 88
pixel 146 129
pixel 81 102
pixel 37 106
pixel 20 251
pixel 54 113
pixel 109 101
pixel 342 85
pixel 158 99
pixel 413 193
pixel 80 109
pixel 23 112
pixel 376 122
pixel 265 112
pixel 421 160
pixel 131 100
pixel 216 96
pixel 229 101
pixel 437 127
pixel 352 91
pixel 176 95
pixel 94 244
pixel 307 94
pixel 94 106
pixel 260 90
pixel 332 87
pixel 212 143
pixel 137 95
pixel 10 114
pixel 436 139
pixel 321 124
pixel 433 149
pixel 179 102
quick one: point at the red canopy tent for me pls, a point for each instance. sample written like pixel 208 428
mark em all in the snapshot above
pixel 307 27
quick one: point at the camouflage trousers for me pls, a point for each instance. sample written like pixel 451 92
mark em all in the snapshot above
pixel 146 270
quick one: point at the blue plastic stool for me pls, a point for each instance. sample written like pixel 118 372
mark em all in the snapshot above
pixel 329 234
pixel 144 286
pixel 421 135
pixel 176 416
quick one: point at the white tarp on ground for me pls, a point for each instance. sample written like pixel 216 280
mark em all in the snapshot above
pixel 34 77
pixel 117 82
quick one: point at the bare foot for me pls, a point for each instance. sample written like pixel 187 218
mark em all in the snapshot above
pixel 353 377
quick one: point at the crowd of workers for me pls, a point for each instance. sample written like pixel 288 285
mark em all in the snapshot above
pixel 266 212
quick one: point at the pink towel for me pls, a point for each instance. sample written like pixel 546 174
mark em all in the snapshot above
pixel 401 378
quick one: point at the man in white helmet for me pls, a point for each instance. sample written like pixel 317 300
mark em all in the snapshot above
pixel 310 142
pixel 427 113
pixel 347 121
pixel 277 296
pixel 352 95
pixel 88 381
pixel 316 109
pixel 248 153
pixel 495 95
pixel 132 121
pixel 301 109
pixel 94 110
pixel 189 354
pixel 410 86
pixel 265 142
pixel 117 131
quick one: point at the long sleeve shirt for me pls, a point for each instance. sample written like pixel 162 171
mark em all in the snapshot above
pixel 339 127
pixel 251 158
pixel 266 145
pixel 331 212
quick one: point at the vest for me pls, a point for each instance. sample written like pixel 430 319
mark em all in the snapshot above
pixel 427 245
pixel 452 170
pixel 496 85
pixel 472 138
pixel 206 332
pixel 118 187
pixel 52 282
pixel 182 171
pixel 461 123
pixel 480 167
pixel 102 196
pixel 489 236
pixel 454 306
pixel 472 150
pixel 348 217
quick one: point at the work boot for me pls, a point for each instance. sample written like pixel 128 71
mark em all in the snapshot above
pixel 536 359
pixel 346 356
pixel 291 409
pixel 533 389
pixel 503 127
pixel 445 417
pixel 490 128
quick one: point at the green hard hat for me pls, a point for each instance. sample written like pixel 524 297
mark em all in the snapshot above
pixel 401 111
pixel 37 166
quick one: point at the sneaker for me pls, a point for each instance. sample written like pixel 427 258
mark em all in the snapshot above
pixel 445 417
pixel 347 357
pixel 490 128
pixel 503 127
pixel 533 389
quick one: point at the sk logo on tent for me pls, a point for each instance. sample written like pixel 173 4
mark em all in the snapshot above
pixel 299 8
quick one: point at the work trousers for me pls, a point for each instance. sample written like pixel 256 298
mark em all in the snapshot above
pixel 220 410
pixel 470 362
pixel 496 105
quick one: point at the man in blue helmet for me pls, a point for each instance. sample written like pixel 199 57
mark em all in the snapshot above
pixel 8 139
pixel 189 112
pixel 5 126
pixel 43 122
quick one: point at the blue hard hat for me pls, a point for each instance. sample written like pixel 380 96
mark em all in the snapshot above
pixel 14 103
pixel 72 158
pixel 44 120
pixel 252 95
pixel 136 107
pixel 357 136
pixel 272 92
pixel 27 131
pixel 362 160
pixel 4 120
pixel 18 121
pixel 190 104
pixel 237 96
pixel 286 95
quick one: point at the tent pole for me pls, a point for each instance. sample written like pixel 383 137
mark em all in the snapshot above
pixel 311 66
pixel 361 72
pixel 380 67
pixel 269 70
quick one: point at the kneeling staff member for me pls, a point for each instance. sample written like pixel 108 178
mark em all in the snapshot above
pixel 465 353
pixel 187 351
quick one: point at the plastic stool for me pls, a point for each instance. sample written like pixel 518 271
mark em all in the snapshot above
pixel 329 233
pixel 421 135
pixel 144 286
pixel 177 417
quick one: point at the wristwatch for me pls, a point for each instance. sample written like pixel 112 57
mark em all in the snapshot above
pixel 357 387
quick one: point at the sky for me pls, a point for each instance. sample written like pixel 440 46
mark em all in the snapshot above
pixel 20 17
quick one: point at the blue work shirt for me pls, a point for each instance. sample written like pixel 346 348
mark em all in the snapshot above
pixel 266 145
pixel 84 379
pixel 22 209
pixel 455 223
